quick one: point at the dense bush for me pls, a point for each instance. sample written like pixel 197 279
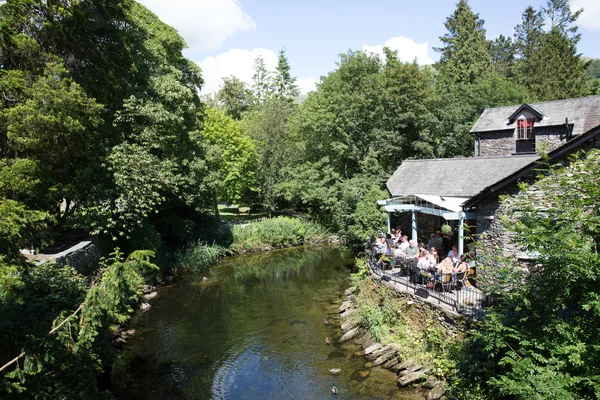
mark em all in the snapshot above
pixel 277 232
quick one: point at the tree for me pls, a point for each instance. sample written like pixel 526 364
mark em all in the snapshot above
pixel 237 181
pixel 467 82
pixel 261 81
pixel 548 65
pixel 284 83
pixel 268 126
pixel 540 341
pixel 234 97
pixel 502 51
pixel 464 55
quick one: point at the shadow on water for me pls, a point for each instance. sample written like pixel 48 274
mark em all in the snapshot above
pixel 254 331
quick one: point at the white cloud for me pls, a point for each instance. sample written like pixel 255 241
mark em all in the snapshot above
pixel 407 49
pixel 204 24
pixel 237 62
pixel 590 18
pixel 307 84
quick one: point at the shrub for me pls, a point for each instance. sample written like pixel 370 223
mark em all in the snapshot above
pixel 198 258
pixel 277 232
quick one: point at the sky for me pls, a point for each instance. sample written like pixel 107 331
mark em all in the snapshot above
pixel 225 36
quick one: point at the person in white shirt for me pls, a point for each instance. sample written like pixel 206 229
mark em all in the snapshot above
pixel 453 254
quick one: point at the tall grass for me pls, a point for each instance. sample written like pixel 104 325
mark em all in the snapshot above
pixel 198 257
pixel 277 232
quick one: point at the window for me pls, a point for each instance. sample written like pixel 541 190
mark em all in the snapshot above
pixel 525 128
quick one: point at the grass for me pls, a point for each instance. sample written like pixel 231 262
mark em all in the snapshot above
pixel 198 257
pixel 230 213
pixel 416 331
pixel 277 232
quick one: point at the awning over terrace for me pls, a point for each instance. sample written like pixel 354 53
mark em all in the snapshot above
pixel 449 208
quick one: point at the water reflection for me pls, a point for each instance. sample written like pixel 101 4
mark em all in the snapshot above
pixel 254 331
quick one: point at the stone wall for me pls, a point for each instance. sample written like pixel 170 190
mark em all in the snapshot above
pixel 502 143
pixel 84 256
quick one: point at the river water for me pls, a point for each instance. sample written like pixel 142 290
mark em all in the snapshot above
pixel 254 330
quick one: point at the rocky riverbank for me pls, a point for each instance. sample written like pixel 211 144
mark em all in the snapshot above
pixel 413 368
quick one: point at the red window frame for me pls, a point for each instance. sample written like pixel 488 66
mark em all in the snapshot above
pixel 525 128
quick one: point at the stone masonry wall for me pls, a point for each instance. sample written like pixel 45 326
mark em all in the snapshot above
pixel 502 143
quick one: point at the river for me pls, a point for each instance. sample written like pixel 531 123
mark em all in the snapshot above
pixel 254 330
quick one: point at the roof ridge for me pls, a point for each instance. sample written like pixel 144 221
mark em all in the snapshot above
pixel 544 102
pixel 473 157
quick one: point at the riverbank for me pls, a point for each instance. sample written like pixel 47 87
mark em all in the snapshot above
pixel 254 329
pixel 401 333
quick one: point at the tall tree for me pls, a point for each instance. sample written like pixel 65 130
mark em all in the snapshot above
pixel 464 55
pixel 502 52
pixel 284 83
pixel 548 64
pixel 261 81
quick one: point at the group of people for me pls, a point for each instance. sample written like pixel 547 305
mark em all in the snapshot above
pixel 425 259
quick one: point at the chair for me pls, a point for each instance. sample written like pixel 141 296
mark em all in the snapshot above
pixel 445 280
pixel 463 277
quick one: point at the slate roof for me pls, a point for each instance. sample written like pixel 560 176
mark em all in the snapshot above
pixel 583 113
pixel 454 177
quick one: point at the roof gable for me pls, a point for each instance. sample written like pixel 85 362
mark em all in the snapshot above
pixel 583 113
pixel 524 107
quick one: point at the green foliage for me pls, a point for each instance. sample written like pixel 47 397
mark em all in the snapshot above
pixel 236 181
pixel 198 257
pixel 549 67
pixel 538 342
pixel 234 97
pixel 464 56
pixel 277 232
pixel 369 219
pixel 63 364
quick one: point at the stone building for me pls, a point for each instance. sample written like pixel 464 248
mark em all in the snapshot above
pixel 466 191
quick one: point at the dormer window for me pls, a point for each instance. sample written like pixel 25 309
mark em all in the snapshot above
pixel 525 128
pixel 525 142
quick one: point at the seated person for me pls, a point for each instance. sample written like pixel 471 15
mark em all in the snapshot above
pixel 446 266
pixel 411 251
pixel 380 245
pixel 404 243
pixel 453 254
pixel 399 253
pixel 434 257
pixel 424 260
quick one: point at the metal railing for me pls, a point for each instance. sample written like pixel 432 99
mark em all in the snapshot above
pixel 445 290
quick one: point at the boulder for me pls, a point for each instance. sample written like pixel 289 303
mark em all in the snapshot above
pixel 145 307
pixel 389 353
pixel 374 355
pixel 345 305
pixel 346 326
pixel 350 334
pixel 146 289
pixel 407 364
pixel 430 382
pixel 372 348
pixel 347 313
pixel 411 378
pixel 437 392
pixel 391 363
pixel 365 340
pixel 150 296
pixel 348 292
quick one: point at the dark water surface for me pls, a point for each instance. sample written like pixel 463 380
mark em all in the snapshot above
pixel 254 331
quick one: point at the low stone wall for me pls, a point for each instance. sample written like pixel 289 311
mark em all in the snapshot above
pixel 84 256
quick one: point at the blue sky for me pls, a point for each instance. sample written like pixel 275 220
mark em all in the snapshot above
pixel 226 35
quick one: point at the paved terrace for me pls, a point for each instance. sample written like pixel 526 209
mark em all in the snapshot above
pixel 462 299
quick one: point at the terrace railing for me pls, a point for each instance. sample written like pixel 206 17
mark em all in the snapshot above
pixel 446 293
